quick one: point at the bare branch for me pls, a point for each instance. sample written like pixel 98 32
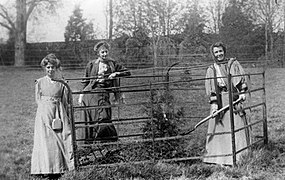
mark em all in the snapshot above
pixel 31 7
pixel 5 15
pixel 6 26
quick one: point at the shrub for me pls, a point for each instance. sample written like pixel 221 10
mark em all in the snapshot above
pixel 165 123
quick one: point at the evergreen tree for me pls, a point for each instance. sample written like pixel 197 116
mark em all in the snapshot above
pixel 77 29
pixel 194 40
pixel 236 29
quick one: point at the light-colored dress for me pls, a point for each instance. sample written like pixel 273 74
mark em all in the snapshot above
pixel 221 144
pixel 52 151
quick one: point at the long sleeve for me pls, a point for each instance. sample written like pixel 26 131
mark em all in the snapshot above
pixel 210 89
pixel 120 71
pixel 123 71
pixel 209 83
pixel 239 81
pixel 88 69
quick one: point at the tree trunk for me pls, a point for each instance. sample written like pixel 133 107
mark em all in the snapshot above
pixel 270 26
pixel 20 34
pixel 154 48
pixel 111 19
pixel 266 42
pixel 283 54
pixel 154 45
pixel 266 33
pixel 168 18
pixel 219 19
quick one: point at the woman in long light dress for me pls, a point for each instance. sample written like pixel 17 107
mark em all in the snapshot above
pixel 220 145
pixel 52 151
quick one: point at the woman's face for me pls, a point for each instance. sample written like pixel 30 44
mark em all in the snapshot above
pixel 50 70
pixel 103 53
pixel 219 53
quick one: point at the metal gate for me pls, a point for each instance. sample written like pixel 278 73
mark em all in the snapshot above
pixel 160 105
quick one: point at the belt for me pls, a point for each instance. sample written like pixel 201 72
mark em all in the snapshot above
pixel 50 98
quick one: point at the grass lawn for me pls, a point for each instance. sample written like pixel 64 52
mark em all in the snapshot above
pixel 17 115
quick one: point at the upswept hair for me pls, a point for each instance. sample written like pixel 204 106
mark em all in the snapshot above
pixel 51 58
pixel 218 44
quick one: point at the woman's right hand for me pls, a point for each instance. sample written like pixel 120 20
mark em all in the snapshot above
pixel 100 79
pixel 214 108
pixel 80 98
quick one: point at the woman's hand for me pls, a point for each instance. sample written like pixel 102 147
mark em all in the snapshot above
pixel 214 108
pixel 113 75
pixel 100 79
pixel 80 98
pixel 242 97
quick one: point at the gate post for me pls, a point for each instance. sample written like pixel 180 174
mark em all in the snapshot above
pixel 230 91
pixel 167 79
pixel 73 130
pixel 152 119
pixel 265 133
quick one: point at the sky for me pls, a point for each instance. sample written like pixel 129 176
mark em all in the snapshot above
pixel 54 26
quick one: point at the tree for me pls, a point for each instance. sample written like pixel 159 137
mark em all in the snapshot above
pixel 17 26
pixel 267 12
pixel 194 37
pixel 166 120
pixel 129 15
pixel 236 28
pixel 136 46
pixel 111 19
pixel 157 18
pixel 77 32
pixel 215 10
pixel 161 20
pixel 77 29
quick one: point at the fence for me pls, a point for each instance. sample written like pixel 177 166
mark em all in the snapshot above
pixel 77 55
pixel 160 106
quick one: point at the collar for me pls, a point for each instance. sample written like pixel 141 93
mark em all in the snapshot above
pixel 221 62
pixel 101 60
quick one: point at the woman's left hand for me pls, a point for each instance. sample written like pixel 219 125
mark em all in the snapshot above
pixel 242 97
pixel 113 75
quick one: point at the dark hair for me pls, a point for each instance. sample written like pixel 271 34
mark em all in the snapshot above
pixel 218 44
pixel 100 44
pixel 51 58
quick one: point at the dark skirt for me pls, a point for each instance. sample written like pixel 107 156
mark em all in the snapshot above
pixel 97 116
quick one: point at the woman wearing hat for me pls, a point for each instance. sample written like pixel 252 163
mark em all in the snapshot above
pixel 217 90
pixel 106 70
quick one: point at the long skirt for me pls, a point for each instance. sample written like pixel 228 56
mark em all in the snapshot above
pixel 52 150
pixel 97 116
pixel 221 144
